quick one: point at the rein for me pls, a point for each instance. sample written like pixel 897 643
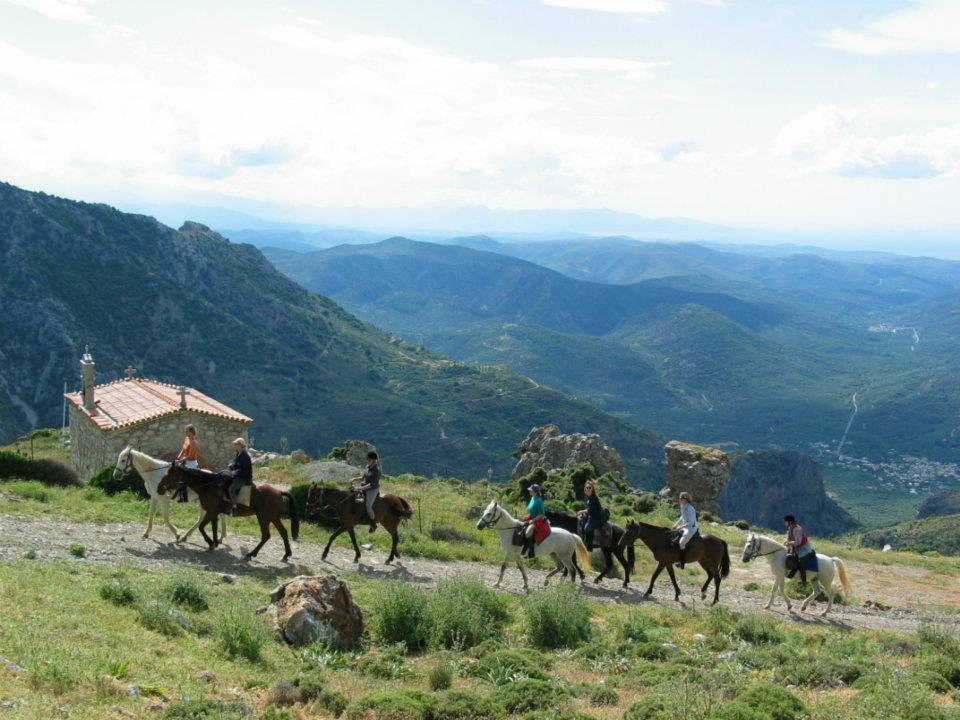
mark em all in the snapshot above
pixel 755 554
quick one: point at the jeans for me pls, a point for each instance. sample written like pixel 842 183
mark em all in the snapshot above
pixel 235 486
pixel 370 496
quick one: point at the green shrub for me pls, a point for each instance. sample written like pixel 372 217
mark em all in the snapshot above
pixel 387 665
pixel 929 679
pixel 556 715
pixel 602 695
pixel 650 708
pixel 758 630
pixel 394 705
pixel 528 694
pixel 443 533
pixel 312 683
pixel 28 490
pixel 822 672
pixel 751 586
pixel 557 618
pixel 719 620
pixel 240 633
pixel 402 615
pixel 938 638
pixel 510 664
pixel 651 651
pixel 159 617
pixel 118 591
pixel 767 702
pixel 206 710
pixel 464 612
pixel 946 666
pixel 440 677
pixel 128 482
pixel 55 673
pixel 283 693
pixel 187 591
pixel 77 550
pixel 464 705
pixel 890 698
pixel 44 471
pixel 646 503
pixel 639 627
pixel 271 713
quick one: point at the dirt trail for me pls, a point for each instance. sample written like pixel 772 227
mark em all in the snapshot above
pixel 912 592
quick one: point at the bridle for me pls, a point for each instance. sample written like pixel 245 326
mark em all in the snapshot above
pixel 755 551
pixel 484 523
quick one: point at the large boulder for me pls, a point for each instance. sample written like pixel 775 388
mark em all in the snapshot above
pixel 546 447
pixel 701 471
pixel 357 452
pixel 767 484
pixel 318 608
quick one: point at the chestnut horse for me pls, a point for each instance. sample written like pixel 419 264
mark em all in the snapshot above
pixel 710 551
pixel 343 505
pixel 266 502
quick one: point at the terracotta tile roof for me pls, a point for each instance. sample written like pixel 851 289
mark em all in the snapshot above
pixel 128 402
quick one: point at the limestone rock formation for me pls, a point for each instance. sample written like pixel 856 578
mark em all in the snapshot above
pixel 546 447
pixel 311 609
pixel 701 471
pixel 767 484
pixel 357 452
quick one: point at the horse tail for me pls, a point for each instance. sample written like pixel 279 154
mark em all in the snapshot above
pixel 294 516
pixel 582 555
pixel 842 574
pixel 631 557
pixel 406 512
pixel 725 561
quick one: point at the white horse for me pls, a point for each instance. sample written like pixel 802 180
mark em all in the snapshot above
pixel 776 555
pixel 559 544
pixel 152 471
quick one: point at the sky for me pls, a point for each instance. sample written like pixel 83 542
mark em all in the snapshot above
pixel 834 115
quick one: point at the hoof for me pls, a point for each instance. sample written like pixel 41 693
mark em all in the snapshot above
pixel 145 535
pixel 286 558
pixel 703 596
pixel 767 606
pixel 323 557
pixel 356 560
pixel 676 598
pixel 597 581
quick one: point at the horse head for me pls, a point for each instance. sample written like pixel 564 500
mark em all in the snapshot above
pixel 171 480
pixel 490 515
pixel 752 547
pixel 315 501
pixel 630 533
pixel 124 463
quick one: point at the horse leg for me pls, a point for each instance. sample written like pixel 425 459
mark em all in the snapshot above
pixel 815 590
pixel 393 546
pixel 356 548
pixel 607 562
pixel 828 591
pixel 165 511
pixel 623 562
pixel 203 524
pixel 503 569
pixel 557 568
pixel 523 571
pixel 716 592
pixel 150 514
pixel 287 552
pixel 188 533
pixel 333 536
pixel 703 590
pixel 673 578
pixel 653 579
pixel 216 519
pixel 264 536
pixel 223 524
pixel 783 591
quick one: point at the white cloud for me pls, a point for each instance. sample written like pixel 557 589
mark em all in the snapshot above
pixel 827 140
pixel 72 11
pixel 626 7
pixel 633 69
pixel 929 26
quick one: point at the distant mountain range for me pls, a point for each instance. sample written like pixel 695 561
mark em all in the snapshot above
pixel 190 307
pixel 719 347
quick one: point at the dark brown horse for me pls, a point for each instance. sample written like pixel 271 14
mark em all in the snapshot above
pixel 711 552
pixel 343 506
pixel 266 502
pixel 572 523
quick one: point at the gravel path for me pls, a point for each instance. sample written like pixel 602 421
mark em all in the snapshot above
pixel 122 544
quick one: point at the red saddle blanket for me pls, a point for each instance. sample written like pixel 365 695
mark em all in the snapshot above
pixel 541 529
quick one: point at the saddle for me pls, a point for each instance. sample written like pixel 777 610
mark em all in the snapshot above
pixel 518 537
pixel 360 500
pixel 675 536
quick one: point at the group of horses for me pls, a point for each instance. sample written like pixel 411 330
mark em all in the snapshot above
pixel 564 545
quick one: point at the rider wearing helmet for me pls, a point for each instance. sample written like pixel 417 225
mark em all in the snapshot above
pixel 536 513
pixel 687 523
pixel 800 548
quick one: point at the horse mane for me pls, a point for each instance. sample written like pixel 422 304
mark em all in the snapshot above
pixel 771 540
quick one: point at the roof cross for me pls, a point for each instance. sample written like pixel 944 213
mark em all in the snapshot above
pixel 182 391
pixel 130 372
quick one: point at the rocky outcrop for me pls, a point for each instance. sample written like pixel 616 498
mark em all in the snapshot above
pixel 944 502
pixel 357 452
pixel 767 484
pixel 546 447
pixel 311 609
pixel 703 472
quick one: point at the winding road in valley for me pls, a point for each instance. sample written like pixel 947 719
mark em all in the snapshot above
pixel 915 595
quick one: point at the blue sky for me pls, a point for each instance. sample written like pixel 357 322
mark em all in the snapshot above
pixel 779 114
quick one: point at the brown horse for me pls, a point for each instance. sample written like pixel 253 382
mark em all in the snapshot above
pixel 711 552
pixel 342 504
pixel 266 502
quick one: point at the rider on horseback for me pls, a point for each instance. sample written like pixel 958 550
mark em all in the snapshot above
pixel 799 548
pixel 370 486
pixel 536 514
pixel 241 472
pixel 687 523
pixel 592 517
pixel 190 450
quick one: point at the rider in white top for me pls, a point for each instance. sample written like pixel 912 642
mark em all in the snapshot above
pixel 687 523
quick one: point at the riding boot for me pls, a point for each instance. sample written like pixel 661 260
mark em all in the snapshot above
pixel 373 525
pixel 527 551
pixel 683 557
pixel 803 576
